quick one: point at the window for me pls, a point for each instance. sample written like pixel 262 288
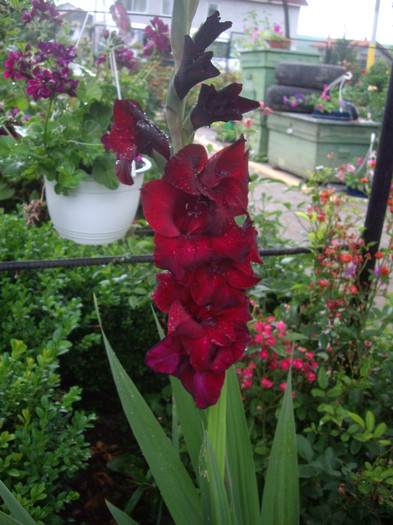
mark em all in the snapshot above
pixel 166 7
pixel 138 6
pixel 211 8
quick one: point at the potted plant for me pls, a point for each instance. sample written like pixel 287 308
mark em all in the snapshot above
pixel 67 111
pixel 260 34
pixel 331 104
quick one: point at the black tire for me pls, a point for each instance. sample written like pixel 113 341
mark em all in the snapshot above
pixel 275 98
pixel 313 76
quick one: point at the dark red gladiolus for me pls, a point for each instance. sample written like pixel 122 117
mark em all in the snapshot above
pixel 210 30
pixel 133 134
pixel 223 105
pixel 208 257
pixel 195 67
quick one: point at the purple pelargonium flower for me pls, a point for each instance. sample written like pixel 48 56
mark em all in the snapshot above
pixel 125 58
pixel 18 65
pixel 210 30
pixel 48 50
pixel 119 15
pixel 43 11
pixel 195 67
pixel 157 35
pixel 41 85
pixel 133 134
pixel 223 105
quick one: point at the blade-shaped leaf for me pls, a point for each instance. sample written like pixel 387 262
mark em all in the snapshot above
pixel 280 504
pixel 16 509
pixel 5 519
pixel 191 421
pixel 220 511
pixel 175 484
pixel 217 430
pixel 241 468
pixel 120 517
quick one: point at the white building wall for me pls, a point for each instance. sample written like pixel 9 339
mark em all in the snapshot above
pixel 233 10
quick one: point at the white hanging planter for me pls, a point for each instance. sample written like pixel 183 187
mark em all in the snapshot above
pixel 94 214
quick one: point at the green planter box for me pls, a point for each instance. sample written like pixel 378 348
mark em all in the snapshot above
pixel 257 75
pixel 299 143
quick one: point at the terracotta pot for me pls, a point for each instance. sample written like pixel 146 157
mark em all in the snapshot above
pixel 279 44
pixel 93 213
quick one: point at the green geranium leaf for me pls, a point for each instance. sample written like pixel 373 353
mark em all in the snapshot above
pixel 104 171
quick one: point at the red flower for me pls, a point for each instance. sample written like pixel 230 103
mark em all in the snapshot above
pixel 210 30
pixel 223 105
pixel 346 258
pixel 133 134
pixel 223 178
pixel 195 67
pixel 193 209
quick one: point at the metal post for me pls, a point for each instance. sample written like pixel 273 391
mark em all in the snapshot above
pixel 380 188
pixel 373 43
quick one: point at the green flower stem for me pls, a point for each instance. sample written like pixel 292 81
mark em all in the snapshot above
pixel 188 131
pixel 90 144
pixel 182 15
pixel 174 115
pixel 47 117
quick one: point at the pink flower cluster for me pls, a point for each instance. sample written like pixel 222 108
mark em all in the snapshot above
pixel 265 366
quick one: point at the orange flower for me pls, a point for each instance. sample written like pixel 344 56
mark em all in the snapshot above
pixel 379 255
pixel 354 290
pixel 323 282
pixel 346 258
pixel 364 180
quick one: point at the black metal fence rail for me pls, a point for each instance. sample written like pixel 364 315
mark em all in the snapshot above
pixel 115 259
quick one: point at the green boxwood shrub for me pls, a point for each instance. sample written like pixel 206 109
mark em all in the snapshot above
pixel 42 445
pixel 55 306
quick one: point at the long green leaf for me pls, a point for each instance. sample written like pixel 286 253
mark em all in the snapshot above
pixel 191 421
pixel 280 504
pixel 217 430
pixel 169 473
pixel 241 468
pixel 5 519
pixel 219 505
pixel 120 517
pixel 16 509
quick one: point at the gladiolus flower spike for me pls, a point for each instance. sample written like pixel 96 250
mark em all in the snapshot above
pixel 208 258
